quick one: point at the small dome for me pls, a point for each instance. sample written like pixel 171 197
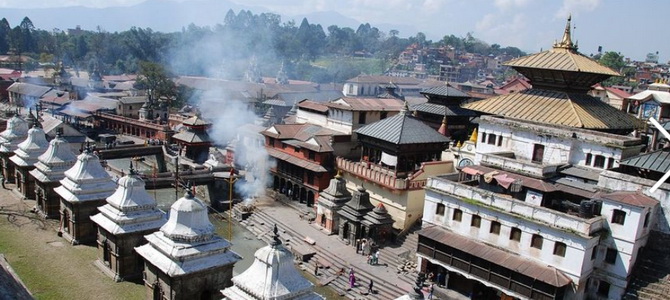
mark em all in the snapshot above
pixel 58 152
pixel 131 194
pixel 380 209
pixel 188 220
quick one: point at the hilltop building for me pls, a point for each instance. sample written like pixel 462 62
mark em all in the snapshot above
pixel 129 215
pixel 185 259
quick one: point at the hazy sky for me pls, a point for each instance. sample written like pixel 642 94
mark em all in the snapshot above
pixel 633 28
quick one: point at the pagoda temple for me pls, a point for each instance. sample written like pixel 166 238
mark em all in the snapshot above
pixel 271 276
pixel 329 203
pixel 378 224
pixel 194 140
pixel 444 103
pixel 560 79
pixel 25 157
pixel 49 171
pixel 16 132
pixel 129 215
pixel 185 259
pixel 83 189
pixel 352 214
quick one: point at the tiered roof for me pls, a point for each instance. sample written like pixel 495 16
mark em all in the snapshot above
pixel 187 243
pixel 86 180
pixel 29 150
pixel 560 78
pixel 402 129
pixel 378 216
pixel 17 130
pixel 336 194
pixel 51 165
pixel 358 206
pixel 271 276
pixel 130 208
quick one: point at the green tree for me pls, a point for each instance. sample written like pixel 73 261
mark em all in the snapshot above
pixel 5 31
pixel 155 78
pixel 614 61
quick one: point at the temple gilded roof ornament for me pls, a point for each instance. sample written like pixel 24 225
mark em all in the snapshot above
pixel 566 41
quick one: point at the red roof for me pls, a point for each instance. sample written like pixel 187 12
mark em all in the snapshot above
pixel 620 93
pixel 630 198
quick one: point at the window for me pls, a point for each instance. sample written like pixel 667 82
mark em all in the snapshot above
pixel 559 249
pixel 483 137
pixel 283 146
pixel 492 139
pixel 476 221
pixel 500 140
pixel 594 253
pixel 515 234
pixel 589 158
pixel 603 289
pixel 536 241
pixel 361 117
pixel 618 216
pixel 599 161
pixel 610 162
pixel 610 257
pixel 458 215
pixel 646 219
pixel 312 155
pixel 383 115
pixel 271 142
pixel 495 227
pixel 538 153
pixel 296 149
pixel 440 209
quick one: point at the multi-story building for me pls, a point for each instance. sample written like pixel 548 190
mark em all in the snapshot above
pixel 398 154
pixel 528 222
pixel 304 155
pixel 444 106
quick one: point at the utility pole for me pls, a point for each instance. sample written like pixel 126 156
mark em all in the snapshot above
pixel 231 180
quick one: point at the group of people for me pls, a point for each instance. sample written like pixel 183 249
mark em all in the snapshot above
pixel 352 281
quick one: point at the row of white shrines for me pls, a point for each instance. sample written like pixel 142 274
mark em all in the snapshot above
pixel 180 256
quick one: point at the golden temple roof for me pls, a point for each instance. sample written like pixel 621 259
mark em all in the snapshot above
pixel 557 108
pixel 562 57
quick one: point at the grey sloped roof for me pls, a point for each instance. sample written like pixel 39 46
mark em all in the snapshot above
pixel 658 161
pixel 402 129
pixel 438 109
pixel 318 96
pixel 28 89
pixel 446 91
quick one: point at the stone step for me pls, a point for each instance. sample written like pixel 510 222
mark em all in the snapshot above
pixel 388 291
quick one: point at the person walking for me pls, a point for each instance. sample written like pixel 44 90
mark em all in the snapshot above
pixel 370 286
pixel 430 291
pixel 375 259
pixel 352 279
pixel 363 245
pixel 316 269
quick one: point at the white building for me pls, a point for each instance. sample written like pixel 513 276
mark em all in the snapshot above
pixel 49 171
pixel 185 259
pixel 16 132
pixel 271 276
pixel 24 160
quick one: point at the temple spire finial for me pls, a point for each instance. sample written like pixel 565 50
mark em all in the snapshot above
pixel 275 239
pixel 566 41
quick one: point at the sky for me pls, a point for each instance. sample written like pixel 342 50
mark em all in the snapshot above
pixel 629 27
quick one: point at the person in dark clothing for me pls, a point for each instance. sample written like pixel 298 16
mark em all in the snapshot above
pixel 370 286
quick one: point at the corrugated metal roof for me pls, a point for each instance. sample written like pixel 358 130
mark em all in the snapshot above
pixel 438 109
pixel 658 161
pixel 313 106
pixel 192 137
pixel 561 59
pixel 445 91
pixel 630 198
pixel 195 121
pixel 511 261
pixel 556 108
pixel 318 96
pixel 402 129
pixel 28 89
pixel 367 104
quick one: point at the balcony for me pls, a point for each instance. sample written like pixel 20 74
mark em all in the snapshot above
pixel 548 216
pixel 507 161
pixel 386 177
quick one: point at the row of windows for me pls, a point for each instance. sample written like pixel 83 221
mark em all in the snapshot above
pixel 515 234
pixel 492 139
pixel 619 217
pixel 598 161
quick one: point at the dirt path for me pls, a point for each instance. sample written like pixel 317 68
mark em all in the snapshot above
pixel 47 264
